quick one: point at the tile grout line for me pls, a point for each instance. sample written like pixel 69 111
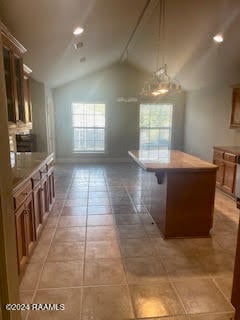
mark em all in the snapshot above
pixel 43 264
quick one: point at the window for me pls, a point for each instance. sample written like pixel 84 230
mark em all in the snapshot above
pixel 88 121
pixel 155 126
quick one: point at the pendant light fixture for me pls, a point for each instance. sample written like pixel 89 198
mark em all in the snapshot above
pixel 160 83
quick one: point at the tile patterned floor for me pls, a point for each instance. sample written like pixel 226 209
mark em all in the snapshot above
pixel 101 255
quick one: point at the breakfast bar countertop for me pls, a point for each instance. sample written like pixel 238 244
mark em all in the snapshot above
pixel 24 164
pixel 169 160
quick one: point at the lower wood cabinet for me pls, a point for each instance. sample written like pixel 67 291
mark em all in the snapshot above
pixel 25 231
pixel 38 208
pixel 227 166
pixel 33 201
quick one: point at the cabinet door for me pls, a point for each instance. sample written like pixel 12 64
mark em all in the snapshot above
pixel 51 187
pixel 38 207
pixel 29 225
pixel 45 198
pixel 21 238
pixel 19 100
pixel 8 70
pixel 229 176
pixel 27 100
pixel 25 232
pixel 235 116
pixel 220 171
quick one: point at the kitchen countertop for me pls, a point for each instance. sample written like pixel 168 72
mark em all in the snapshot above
pixel 169 160
pixel 230 149
pixel 24 164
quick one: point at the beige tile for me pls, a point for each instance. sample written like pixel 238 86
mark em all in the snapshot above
pixel 74 211
pixel 127 219
pixel 71 298
pixel 100 220
pixel 155 300
pixel 72 221
pixel 102 250
pixel 46 235
pixel 101 233
pixel 51 222
pixel 201 296
pixel 93 201
pixel 25 298
pixel 166 248
pixel 104 271
pixel 144 270
pixel 131 231
pixel 70 234
pixel 205 246
pixel 184 266
pixel 99 210
pixel 218 264
pixel 31 276
pixel 61 274
pixel 170 318
pixel 152 230
pixel 66 251
pixel 40 252
pixel 225 284
pixel 137 247
pixel 106 303
pixel 208 316
pixel 76 203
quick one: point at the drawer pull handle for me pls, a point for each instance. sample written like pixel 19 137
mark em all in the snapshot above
pixel 24 193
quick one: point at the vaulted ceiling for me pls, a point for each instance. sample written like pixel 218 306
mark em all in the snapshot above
pixel 45 29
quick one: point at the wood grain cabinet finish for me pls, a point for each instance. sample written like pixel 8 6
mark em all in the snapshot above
pixel 25 231
pixel 235 115
pixel 16 82
pixel 226 173
pixel 33 201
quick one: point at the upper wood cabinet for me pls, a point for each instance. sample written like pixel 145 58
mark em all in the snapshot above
pixel 235 115
pixel 16 79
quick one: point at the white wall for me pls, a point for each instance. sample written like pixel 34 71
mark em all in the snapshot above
pixel 207 121
pixel 122 118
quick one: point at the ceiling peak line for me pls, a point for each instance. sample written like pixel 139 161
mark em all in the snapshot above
pixel 125 50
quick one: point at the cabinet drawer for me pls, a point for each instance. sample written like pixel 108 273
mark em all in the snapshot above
pixel 22 194
pixel 218 154
pixel 230 157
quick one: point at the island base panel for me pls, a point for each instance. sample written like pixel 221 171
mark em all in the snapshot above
pixel 182 205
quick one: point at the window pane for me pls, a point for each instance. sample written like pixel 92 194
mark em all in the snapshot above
pixel 88 121
pixel 155 126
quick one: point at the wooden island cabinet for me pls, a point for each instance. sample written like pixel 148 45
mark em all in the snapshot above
pixel 33 195
pixel 178 191
pixel 226 160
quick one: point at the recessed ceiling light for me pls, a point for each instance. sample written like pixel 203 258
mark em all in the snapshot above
pixel 78 31
pixel 218 38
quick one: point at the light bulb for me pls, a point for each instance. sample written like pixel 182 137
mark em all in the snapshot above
pixel 218 38
pixel 78 31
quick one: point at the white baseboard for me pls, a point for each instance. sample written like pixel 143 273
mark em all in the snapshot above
pixel 93 160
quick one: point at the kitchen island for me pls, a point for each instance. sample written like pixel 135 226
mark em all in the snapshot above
pixel 178 190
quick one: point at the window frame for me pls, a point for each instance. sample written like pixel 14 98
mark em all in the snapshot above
pixel 157 127
pixel 90 152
